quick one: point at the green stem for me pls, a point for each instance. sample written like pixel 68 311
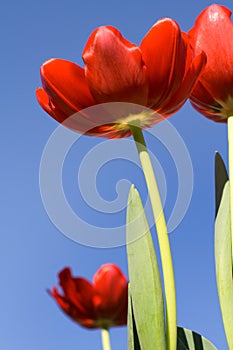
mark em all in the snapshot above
pixel 105 339
pixel 165 252
pixel 230 165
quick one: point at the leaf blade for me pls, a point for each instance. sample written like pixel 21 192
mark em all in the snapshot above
pixel 223 263
pixel 221 177
pixel 190 340
pixel 133 342
pixel 144 276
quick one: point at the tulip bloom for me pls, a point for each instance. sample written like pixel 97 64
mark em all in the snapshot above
pixel 213 33
pixel 159 74
pixel 101 304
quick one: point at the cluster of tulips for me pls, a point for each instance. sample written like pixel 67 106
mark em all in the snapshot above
pixel 158 76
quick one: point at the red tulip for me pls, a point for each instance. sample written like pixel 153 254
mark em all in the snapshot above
pixel 159 74
pixel 101 304
pixel 213 33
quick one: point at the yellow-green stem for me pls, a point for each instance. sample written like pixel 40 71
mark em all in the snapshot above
pixel 230 165
pixel 105 339
pixel 164 245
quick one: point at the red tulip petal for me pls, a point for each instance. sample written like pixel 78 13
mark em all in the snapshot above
pixel 65 84
pixel 43 100
pixel 110 131
pixel 213 33
pixel 78 291
pixel 114 68
pixel 183 93
pixel 78 121
pixel 209 107
pixel 61 300
pixel 164 53
pixel 72 311
pixel 46 104
pixel 111 292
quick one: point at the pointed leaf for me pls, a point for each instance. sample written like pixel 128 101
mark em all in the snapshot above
pixel 223 263
pixel 144 276
pixel 221 178
pixel 133 342
pixel 189 340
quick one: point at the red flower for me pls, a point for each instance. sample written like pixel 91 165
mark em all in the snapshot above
pixel 159 74
pixel 102 304
pixel 213 33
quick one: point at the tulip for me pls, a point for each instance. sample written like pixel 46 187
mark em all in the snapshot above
pixel 101 304
pixel 213 97
pixel 213 93
pixel 158 75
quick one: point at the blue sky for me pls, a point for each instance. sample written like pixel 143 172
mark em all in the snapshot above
pixel 32 250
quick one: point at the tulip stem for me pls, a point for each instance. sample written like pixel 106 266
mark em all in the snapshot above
pixel 230 165
pixel 164 245
pixel 105 339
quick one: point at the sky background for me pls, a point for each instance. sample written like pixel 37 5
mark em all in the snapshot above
pixel 32 249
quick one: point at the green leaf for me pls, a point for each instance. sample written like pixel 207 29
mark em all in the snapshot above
pixel 133 342
pixel 144 276
pixel 223 263
pixel 221 178
pixel 189 340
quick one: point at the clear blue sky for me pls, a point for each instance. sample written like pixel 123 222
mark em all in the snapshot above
pixel 32 250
